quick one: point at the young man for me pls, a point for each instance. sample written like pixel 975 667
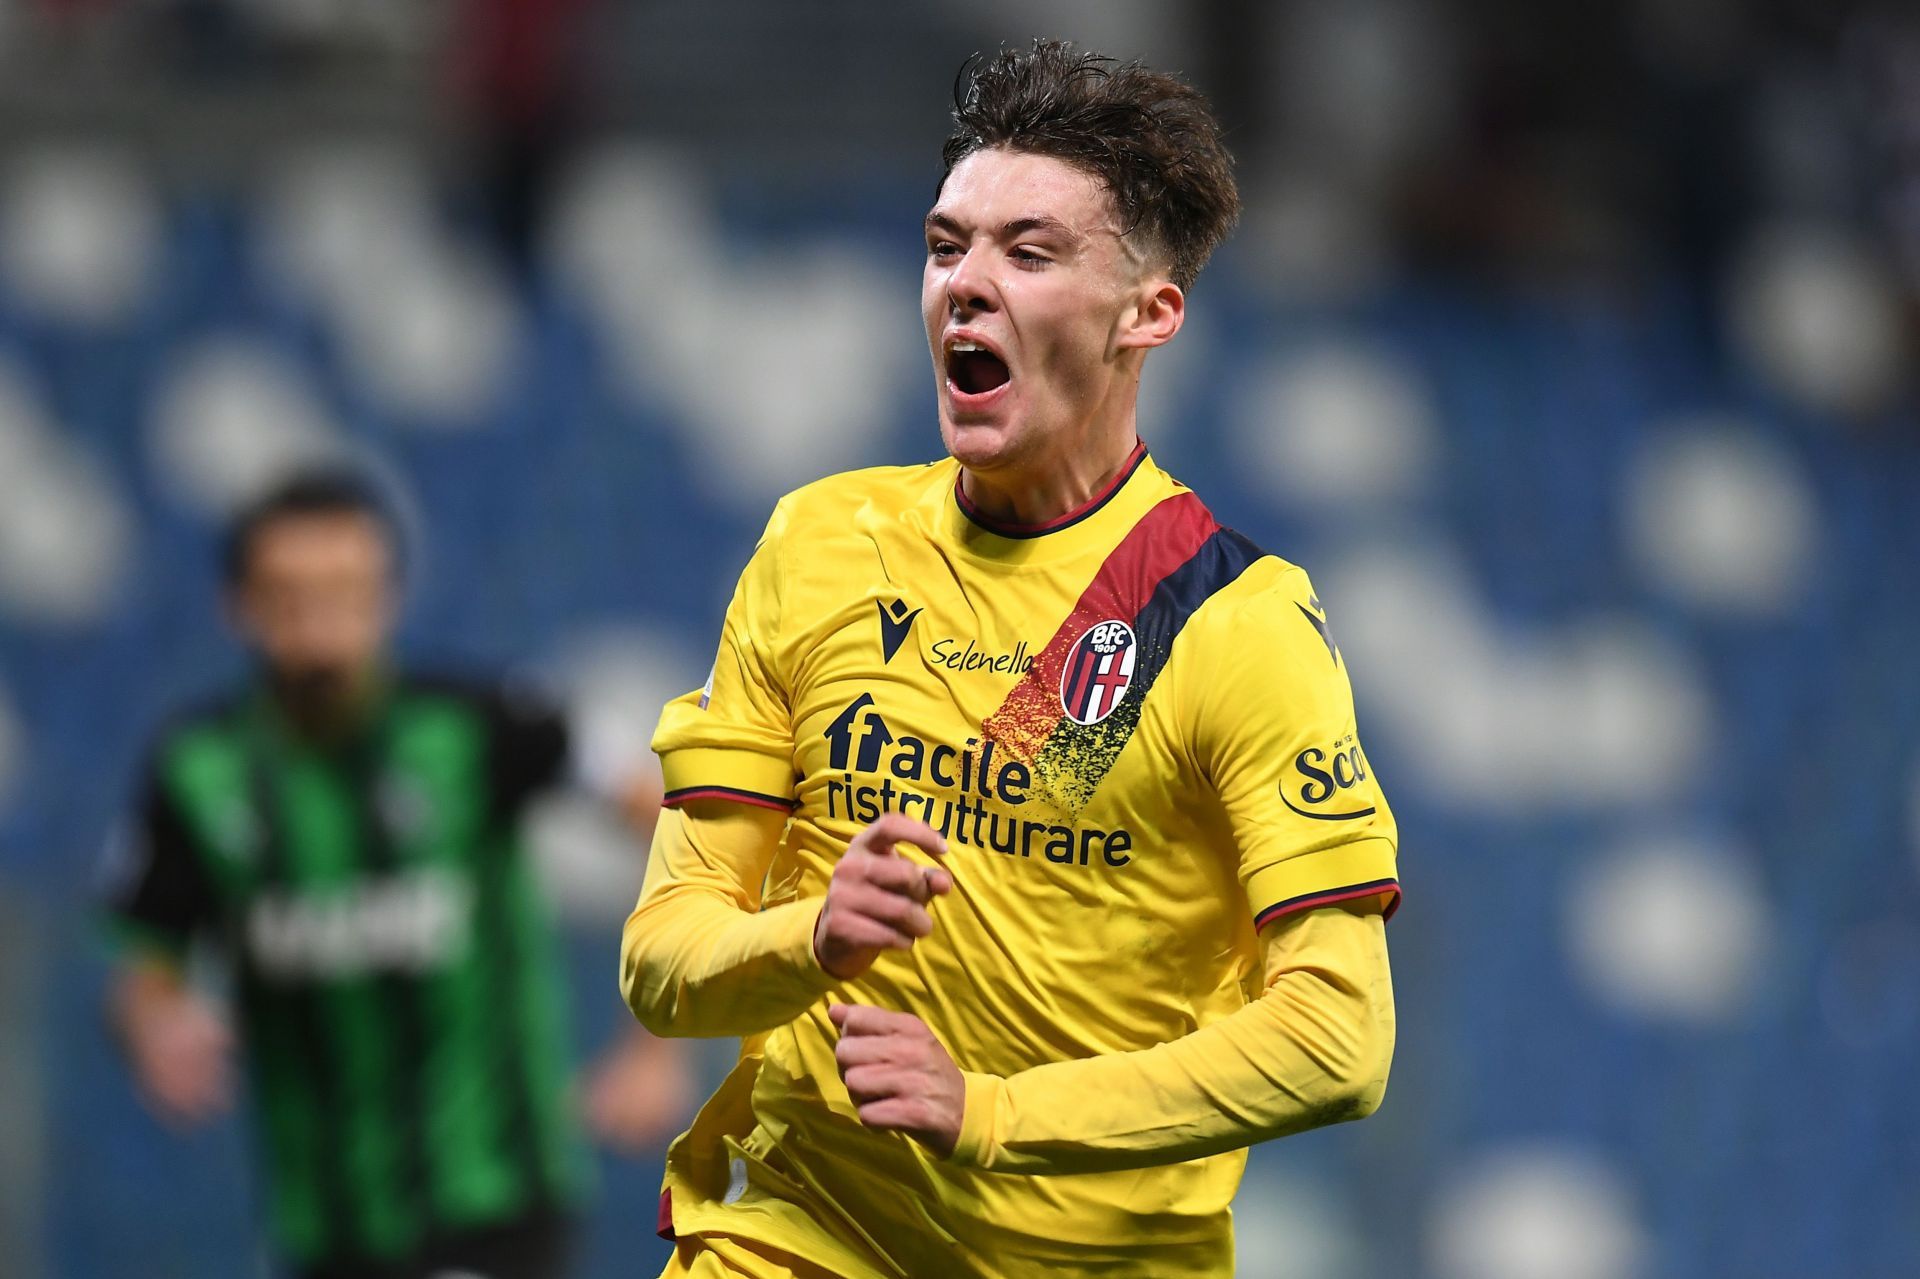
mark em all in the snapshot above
pixel 1022 829
pixel 349 836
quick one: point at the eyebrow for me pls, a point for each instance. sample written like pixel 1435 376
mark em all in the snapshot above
pixel 937 221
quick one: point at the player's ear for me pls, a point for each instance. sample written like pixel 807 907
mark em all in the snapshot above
pixel 1159 309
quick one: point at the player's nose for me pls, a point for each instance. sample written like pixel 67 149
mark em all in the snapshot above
pixel 970 285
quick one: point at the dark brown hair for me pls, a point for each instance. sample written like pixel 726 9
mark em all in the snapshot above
pixel 325 491
pixel 1149 137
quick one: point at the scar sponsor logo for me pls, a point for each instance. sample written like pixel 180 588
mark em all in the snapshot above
pixel 965 792
pixel 1321 778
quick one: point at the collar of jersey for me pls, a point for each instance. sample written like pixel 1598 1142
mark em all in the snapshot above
pixel 280 730
pixel 1095 524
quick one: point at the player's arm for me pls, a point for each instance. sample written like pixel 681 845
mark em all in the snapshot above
pixel 177 1043
pixel 700 957
pixel 1312 1050
pixel 635 1091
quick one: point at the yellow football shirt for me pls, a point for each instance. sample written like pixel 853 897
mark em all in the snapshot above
pixel 1136 733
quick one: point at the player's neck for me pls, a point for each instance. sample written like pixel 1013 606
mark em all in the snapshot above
pixel 328 710
pixel 1029 496
pixel 1086 459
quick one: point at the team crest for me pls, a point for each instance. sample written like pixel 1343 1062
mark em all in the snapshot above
pixel 1099 670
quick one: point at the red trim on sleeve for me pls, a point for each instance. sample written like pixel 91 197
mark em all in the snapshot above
pixel 675 798
pixel 1390 888
pixel 663 1226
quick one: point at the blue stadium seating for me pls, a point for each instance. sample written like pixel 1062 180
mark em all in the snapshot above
pixel 1769 1146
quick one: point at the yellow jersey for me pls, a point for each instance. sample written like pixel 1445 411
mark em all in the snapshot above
pixel 1134 729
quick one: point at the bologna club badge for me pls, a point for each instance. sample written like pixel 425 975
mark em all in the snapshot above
pixel 1099 668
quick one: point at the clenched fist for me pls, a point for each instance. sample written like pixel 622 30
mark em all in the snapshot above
pixel 900 1077
pixel 877 899
pixel 180 1046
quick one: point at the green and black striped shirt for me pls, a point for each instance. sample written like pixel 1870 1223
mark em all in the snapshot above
pixel 399 988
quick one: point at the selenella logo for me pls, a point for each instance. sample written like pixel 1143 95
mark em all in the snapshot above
pixel 895 622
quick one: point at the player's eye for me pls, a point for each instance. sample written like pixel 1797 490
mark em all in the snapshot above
pixel 942 248
pixel 1027 257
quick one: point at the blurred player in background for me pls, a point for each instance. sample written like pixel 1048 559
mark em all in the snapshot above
pixel 349 835
pixel 1022 828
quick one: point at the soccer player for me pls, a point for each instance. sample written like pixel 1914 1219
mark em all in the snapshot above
pixel 349 836
pixel 1022 829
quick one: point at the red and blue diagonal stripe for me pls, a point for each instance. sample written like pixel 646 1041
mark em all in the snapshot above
pixel 1169 564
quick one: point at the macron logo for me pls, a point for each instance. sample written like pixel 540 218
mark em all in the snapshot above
pixel 1317 617
pixel 895 622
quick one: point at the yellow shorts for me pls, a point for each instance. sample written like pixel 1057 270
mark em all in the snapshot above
pixel 719 1257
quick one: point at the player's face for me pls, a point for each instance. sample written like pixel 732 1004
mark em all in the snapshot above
pixel 1032 300
pixel 317 600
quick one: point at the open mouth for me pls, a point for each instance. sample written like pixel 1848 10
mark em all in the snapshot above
pixel 974 370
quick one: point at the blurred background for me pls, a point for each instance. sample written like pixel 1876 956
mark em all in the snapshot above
pixel 1572 348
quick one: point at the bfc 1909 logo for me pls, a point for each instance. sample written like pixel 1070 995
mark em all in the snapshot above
pixel 1098 671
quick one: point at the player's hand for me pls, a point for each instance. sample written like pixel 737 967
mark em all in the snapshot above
pixel 639 1093
pixel 877 899
pixel 900 1077
pixel 182 1054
